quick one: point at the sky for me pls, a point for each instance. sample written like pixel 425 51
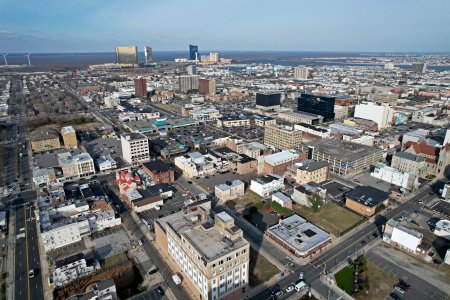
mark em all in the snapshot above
pixel 278 25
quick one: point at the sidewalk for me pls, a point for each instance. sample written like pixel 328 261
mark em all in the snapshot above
pixel 48 293
pixel 10 266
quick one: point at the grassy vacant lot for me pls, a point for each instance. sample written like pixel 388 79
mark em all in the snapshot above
pixel 380 282
pixel 169 106
pixel 248 199
pixel 115 259
pixel 331 217
pixel 344 279
pixel 261 270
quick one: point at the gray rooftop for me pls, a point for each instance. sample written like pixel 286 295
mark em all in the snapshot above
pixel 409 156
pixel 345 151
pixel 299 233
pixel 313 166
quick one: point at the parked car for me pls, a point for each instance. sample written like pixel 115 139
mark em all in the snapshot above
pixel 279 294
pixel 404 283
pixel 290 288
pixel 394 296
pixel 161 291
pixel 276 288
pixel 400 288
pixel 153 271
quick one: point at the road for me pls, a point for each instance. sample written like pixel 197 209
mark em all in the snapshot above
pixel 341 252
pixel 18 175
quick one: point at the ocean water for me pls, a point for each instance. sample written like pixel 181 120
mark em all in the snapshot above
pixel 285 58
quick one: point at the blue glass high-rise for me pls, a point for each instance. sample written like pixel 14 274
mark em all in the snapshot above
pixel 193 52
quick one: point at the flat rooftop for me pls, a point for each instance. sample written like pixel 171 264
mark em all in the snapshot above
pixel 299 233
pixel 367 195
pixel 343 150
pixel 280 157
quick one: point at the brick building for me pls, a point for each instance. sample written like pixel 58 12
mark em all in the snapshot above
pixel 159 171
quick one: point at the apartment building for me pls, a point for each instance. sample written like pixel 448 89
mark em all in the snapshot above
pixel 44 140
pixel 69 136
pixel 211 254
pixel 315 171
pixel 266 185
pixel 229 190
pixel 135 148
pixel 282 137
pixel 69 269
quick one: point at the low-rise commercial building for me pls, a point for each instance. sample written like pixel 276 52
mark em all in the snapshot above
pixel 366 200
pixel 76 166
pixel 306 193
pixel 159 171
pixel 442 229
pixel 401 236
pixel 69 269
pixel 407 181
pixel 300 117
pixel 211 255
pixel 298 236
pixel 229 190
pixel 313 130
pixel 265 185
pixel 194 164
pixel 101 290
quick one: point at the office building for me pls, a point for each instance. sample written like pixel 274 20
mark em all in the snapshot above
pixel 140 87
pixel 193 52
pixel 135 148
pixel 381 114
pixel 298 236
pixel 214 57
pixel 229 190
pixel 127 55
pixel 209 252
pixel 148 55
pixel 192 70
pixel 188 83
pixel 345 158
pixel 419 68
pixel 44 139
pixel 69 136
pixel 366 200
pixel 207 86
pixel 282 137
pixel 76 166
pixel 301 73
pixel 268 101
pixel 318 105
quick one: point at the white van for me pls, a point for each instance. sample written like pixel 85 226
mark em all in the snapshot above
pixel 300 285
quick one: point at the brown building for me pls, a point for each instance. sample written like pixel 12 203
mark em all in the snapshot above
pixel 280 162
pixel 159 171
pixel 140 87
pixel 44 139
pixel 366 200
pixel 207 86
pixel 69 136
pixel 316 171
pixel 246 165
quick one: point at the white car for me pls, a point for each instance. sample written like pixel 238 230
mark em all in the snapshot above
pixel 290 288
pixel 31 273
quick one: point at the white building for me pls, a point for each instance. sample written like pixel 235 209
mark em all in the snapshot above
pixel 76 166
pixel 442 229
pixel 313 130
pixel 194 164
pixel 230 190
pixel 264 186
pixel 70 269
pixel 111 102
pixel 381 114
pixel 205 114
pixel 405 180
pixel 43 177
pixel 282 199
pixel 364 140
pixel 135 148
pixel 105 163
pixel 402 237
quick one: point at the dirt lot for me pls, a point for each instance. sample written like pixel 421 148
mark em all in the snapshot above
pixel 331 217
pixel 261 270
pixel 380 282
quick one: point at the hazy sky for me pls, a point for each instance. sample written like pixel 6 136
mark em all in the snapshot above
pixel 317 25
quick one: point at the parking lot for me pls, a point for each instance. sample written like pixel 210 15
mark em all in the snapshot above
pixel 110 242
pixel 209 182
pixel 149 295
pixel 426 282
pixel 366 179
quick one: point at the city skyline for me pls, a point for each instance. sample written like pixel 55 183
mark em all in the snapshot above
pixel 402 26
